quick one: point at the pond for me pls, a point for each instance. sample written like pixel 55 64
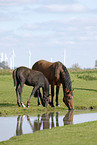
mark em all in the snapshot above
pixel 18 125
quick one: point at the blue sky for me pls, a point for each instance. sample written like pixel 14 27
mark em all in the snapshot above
pixel 46 28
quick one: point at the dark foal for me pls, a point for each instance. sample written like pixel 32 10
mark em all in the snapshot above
pixel 23 75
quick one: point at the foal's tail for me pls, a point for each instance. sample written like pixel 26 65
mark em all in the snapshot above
pixel 14 78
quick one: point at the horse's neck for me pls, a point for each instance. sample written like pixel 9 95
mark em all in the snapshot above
pixel 65 81
pixel 63 78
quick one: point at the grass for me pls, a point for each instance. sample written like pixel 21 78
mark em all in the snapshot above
pixel 83 82
pixel 79 134
pixel 85 86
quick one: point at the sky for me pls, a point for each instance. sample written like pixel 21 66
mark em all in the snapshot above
pixel 47 29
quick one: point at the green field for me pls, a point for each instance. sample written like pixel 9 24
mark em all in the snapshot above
pixel 84 83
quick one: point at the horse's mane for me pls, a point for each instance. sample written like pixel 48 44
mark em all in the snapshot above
pixel 66 77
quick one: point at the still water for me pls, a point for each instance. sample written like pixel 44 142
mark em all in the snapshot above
pixel 18 125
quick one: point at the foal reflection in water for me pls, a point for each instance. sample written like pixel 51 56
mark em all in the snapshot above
pixel 19 125
pixel 46 121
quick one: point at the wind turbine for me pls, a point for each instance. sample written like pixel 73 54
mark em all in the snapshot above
pixel 12 59
pixel 11 62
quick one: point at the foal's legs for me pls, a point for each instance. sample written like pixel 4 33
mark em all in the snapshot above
pixel 32 94
pixel 37 95
pixel 20 93
pixel 17 94
pixel 57 92
pixel 38 101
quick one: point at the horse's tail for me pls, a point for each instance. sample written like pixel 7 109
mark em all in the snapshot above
pixel 14 78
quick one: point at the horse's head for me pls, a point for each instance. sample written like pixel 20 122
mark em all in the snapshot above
pixel 68 99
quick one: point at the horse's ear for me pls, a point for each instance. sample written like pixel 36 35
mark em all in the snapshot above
pixel 69 91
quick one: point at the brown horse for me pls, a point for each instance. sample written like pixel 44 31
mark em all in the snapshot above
pixel 23 75
pixel 57 74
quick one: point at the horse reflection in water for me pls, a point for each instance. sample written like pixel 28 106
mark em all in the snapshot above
pixel 37 124
pixel 46 121
pixel 19 125
pixel 68 119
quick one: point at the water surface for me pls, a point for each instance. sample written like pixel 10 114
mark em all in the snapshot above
pixel 18 125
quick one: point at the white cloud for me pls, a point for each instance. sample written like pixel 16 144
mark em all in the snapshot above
pixel 68 32
pixel 15 2
pixel 64 8
pixel 84 38
pixel 38 2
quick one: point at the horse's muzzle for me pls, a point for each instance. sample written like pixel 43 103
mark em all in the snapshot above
pixel 69 103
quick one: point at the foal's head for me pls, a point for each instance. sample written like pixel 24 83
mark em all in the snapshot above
pixel 46 95
pixel 45 101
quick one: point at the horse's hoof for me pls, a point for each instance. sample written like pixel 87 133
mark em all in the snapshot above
pixel 50 103
pixel 58 105
pixel 23 105
pixel 27 104
pixel 18 104
pixel 52 106
pixel 39 104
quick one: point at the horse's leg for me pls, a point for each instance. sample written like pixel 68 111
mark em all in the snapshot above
pixel 39 102
pixel 20 93
pixel 52 95
pixel 32 94
pixel 17 94
pixel 57 92
pixel 40 96
pixel 37 94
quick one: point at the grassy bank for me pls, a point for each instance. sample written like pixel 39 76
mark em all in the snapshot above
pixel 79 134
pixel 83 82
